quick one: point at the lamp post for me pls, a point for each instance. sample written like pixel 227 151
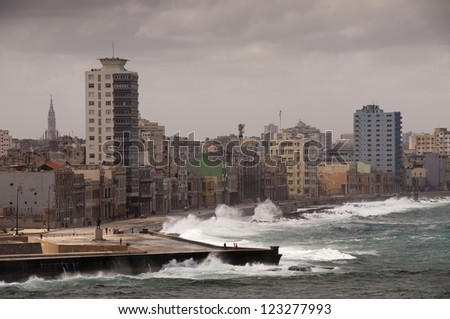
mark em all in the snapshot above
pixel 19 189
pixel 51 186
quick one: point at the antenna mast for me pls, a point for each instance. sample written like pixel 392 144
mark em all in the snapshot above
pixel 279 129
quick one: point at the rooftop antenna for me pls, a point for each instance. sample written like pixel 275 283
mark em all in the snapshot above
pixel 280 121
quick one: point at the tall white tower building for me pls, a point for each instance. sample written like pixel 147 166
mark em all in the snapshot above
pixel 111 108
pixel 378 139
pixel 112 122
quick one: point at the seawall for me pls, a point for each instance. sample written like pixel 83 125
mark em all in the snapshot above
pixel 20 267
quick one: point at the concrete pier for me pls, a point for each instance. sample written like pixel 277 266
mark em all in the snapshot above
pixel 130 253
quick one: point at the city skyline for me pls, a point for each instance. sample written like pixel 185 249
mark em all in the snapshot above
pixel 206 66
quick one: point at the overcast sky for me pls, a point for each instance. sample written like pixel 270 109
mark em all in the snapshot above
pixel 206 66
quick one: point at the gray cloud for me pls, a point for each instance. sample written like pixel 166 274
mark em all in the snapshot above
pixel 207 65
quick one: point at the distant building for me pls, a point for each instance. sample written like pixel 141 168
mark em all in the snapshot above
pixel 5 142
pixel 29 193
pixel 347 136
pixel 363 179
pixel 152 135
pixel 272 129
pixel 442 141
pixel 378 139
pixel 332 179
pixel 51 134
pixel 435 168
pixel 301 176
pixel 437 142
pixel 406 138
pixel 422 143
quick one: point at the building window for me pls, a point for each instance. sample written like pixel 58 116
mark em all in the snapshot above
pixel 91 94
pixel 108 112
pixel 91 138
pixel 108 85
pixel 108 94
pixel 90 76
pixel 91 112
pixel 91 85
pixel 108 129
pixel 92 129
pixel 107 76
pixel 108 121
pixel 108 103
pixel 91 121
pixel 91 155
pixel 91 103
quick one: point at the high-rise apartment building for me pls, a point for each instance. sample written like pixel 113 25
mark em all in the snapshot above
pixel 5 142
pixel 112 115
pixel 111 108
pixel 378 139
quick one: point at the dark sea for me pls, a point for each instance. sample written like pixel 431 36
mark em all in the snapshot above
pixel 398 248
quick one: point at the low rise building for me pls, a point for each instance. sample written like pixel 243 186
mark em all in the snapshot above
pixel 333 179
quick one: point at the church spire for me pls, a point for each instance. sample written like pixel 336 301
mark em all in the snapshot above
pixel 51 122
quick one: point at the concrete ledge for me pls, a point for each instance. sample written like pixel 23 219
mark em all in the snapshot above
pixel 14 268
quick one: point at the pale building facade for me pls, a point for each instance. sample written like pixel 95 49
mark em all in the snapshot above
pixel 301 176
pixel 333 179
pixel 442 141
pixel 112 122
pixel 111 107
pixel 152 134
pixel 437 142
pixel 422 143
pixel 5 142
pixel 378 139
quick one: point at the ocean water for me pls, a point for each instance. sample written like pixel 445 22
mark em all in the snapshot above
pixel 396 248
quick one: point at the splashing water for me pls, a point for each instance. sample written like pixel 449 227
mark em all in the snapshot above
pixel 226 226
pixel 377 208
pixel 267 212
pixel 226 212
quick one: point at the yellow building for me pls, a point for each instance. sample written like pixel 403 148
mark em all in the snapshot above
pixel 210 191
pixel 332 179
pixel 301 176
pixel 422 143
